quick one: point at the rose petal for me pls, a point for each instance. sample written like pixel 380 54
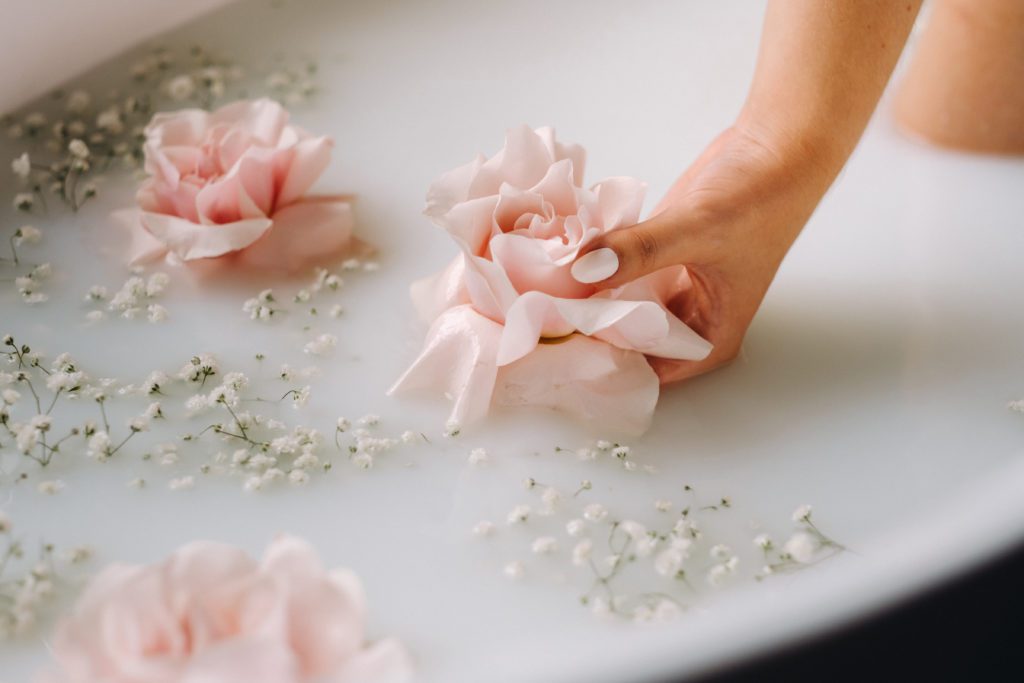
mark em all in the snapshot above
pixel 308 232
pixel 458 358
pixel 587 378
pixel 192 241
pixel 308 160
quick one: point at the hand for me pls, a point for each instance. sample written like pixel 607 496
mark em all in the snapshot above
pixel 730 219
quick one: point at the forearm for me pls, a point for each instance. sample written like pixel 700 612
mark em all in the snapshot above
pixel 821 70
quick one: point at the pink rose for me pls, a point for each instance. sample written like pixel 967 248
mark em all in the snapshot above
pixel 211 614
pixel 510 324
pixel 235 181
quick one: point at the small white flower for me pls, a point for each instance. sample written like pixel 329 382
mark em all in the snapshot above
pixel 298 477
pixel 336 311
pixel 801 546
pixel 24 201
pixel 78 149
pixel 544 545
pixel 156 313
pixel 343 424
pixel 720 552
pixel 50 487
pixel 370 420
pixel 586 454
pixel 763 541
pixel 575 527
pixel 321 346
pixel 645 546
pixel 519 514
pixel 621 452
pixel 582 552
pixel 139 424
pixel 477 457
pixel 22 166
pixel 182 483
pixel 718 574
pixel 363 461
pixel 10 396
pixel 484 529
pixel 110 121
pixel 603 445
pixel 1016 406
pixel 157 284
pixel 662 505
pixel 595 512
pixel 452 429
pixel 515 570
pixel 551 497
pixel 802 513
pixel 300 398
pixel 409 436
pixel 181 87
pixel 634 530
pixel 350 264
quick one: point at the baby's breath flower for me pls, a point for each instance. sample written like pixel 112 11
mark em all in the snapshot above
pixel 409 437
pixel 518 515
pixel 24 201
pixel 181 87
pixel 544 545
pixel 50 487
pixel 78 149
pixel 156 313
pixel 22 166
pixel 477 456
pixel 483 529
pixel 321 346
pixel 662 505
pixel 801 547
pixel 595 512
pixel 78 101
pixel 182 483
pixel 514 570
pixel 452 429
pixel 802 513
pixel 582 551
pixel 575 527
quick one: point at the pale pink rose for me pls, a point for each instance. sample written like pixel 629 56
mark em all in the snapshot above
pixel 235 181
pixel 510 325
pixel 212 614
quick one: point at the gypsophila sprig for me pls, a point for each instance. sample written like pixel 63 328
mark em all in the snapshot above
pixel 30 580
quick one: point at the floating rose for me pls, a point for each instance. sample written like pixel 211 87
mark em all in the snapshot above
pixel 510 324
pixel 235 182
pixel 211 613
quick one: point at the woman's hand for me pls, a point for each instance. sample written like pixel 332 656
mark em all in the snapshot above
pixel 730 219
pixel 733 215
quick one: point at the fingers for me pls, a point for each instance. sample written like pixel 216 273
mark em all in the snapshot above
pixel 625 254
pixel 670 371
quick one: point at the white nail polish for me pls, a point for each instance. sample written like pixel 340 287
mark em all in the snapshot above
pixel 598 265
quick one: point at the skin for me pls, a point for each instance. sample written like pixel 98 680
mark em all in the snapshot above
pixel 732 216
pixel 969 60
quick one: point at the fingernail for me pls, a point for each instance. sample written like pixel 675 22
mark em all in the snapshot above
pixel 598 265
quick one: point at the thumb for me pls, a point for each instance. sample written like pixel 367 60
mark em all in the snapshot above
pixel 625 254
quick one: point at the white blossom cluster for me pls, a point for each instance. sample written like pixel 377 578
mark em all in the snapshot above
pixel 641 571
pixel 604 449
pixel 28 278
pixel 266 306
pixel 30 390
pixel 136 299
pixel 28 586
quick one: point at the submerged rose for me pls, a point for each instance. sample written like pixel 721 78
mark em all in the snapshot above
pixel 211 614
pixel 510 323
pixel 235 181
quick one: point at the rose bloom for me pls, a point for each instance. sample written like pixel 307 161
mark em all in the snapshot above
pixel 234 182
pixel 510 325
pixel 212 614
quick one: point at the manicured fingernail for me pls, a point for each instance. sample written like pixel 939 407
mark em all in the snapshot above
pixel 598 265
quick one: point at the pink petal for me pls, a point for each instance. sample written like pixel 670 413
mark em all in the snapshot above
pixel 309 159
pixel 433 295
pixel 619 201
pixel 557 188
pixel 312 231
pixel 574 153
pixel 458 360
pixel 142 246
pixel 522 163
pixel 264 119
pixel 529 266
pixel 451 188
pixel 190 240
pixel 587 378
pixel 471 223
